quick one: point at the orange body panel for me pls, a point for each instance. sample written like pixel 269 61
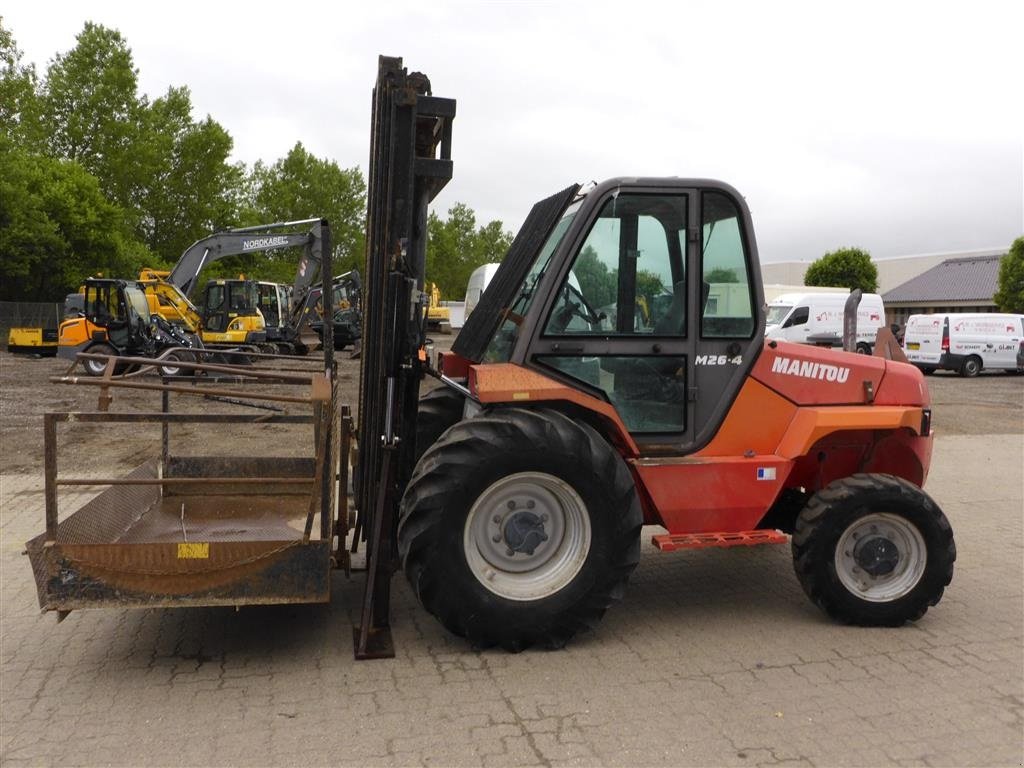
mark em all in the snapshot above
pixel 692 495
pixel 812 424
pixel 513 384
pixel 75 332
pixel 814 376
pixel 756 423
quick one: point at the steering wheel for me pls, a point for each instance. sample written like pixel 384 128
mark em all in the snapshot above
pixel 582 309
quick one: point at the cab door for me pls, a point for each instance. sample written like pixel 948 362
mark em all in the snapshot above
pixel 654 312
pixel 215 307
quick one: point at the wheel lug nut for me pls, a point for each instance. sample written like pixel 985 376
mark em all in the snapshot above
pixel 511 505
pixel 530 504
pixel 496 538
pixel 497 518
pixel 510 552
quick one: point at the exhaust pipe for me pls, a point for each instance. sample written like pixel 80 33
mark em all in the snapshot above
pixel 850 321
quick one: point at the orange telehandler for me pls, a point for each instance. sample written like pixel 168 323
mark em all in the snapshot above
pixel 569 420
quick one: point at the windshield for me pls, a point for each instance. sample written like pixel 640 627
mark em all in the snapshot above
pixel 777 313
pixel 137 299
pixel 500 347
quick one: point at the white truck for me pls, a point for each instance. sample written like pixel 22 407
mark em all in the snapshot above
pixel 478 281
pixel 817 318
pixel 964 342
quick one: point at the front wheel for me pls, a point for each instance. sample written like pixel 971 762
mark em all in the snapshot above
pixel 167 364
pixel 873 550
pixel 519 528
pixel 438 409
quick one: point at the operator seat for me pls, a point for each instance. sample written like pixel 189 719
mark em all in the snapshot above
pixel 674 321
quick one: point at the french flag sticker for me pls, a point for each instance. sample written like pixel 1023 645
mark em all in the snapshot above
pixel 766 473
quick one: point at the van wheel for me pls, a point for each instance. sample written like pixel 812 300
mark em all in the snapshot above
pixel 970 367
pixel 519 528
pixel 873 550
pixel 863 349
pixel 928 371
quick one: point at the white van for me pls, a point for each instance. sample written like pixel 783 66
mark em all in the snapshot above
pixel 813 318
pixel 963 342
pixel 478 281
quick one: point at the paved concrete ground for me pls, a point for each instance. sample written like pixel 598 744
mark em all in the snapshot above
pixel 714 658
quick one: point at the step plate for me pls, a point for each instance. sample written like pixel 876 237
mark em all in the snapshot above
pixel 669 543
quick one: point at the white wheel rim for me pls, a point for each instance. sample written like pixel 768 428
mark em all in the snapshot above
pixel 881 557
pixel 96 367
pixel 503 543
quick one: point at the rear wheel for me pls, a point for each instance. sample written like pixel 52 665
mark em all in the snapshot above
pixel 97 367
pixel 438 410
pixel 521 529
pixel 873 550
pixel 970 367
pixel 863 349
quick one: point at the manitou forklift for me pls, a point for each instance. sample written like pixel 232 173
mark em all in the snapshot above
pixel 565 426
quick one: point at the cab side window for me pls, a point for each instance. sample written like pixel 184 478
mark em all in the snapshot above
pixel 727 310
pixel 629 276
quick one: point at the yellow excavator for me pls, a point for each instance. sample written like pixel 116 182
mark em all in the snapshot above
pixel 438 317
pixel 228 316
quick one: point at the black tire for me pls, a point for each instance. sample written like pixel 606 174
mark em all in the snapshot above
pixel 438 410
pixel 899 591
pixel 167 367
pixel 97 367
pixel 473 458
pixel 970 367
pixel 863 349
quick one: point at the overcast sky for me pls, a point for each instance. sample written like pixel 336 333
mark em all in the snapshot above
pixel 895 126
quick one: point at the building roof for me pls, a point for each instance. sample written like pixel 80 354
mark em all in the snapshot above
pixel 963 279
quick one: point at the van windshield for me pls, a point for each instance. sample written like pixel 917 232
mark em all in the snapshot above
pixel 777 313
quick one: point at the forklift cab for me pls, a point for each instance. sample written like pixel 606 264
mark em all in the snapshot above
pixel 645 293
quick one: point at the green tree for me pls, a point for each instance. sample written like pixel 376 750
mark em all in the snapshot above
pixel 456 246
pixel 1010 294
pixel 722 275
pixel 844 268
pixel 301 186
pixel 190 187
pixel 91 111
pixel 19 104
pixel 56 228
pixel 598 283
